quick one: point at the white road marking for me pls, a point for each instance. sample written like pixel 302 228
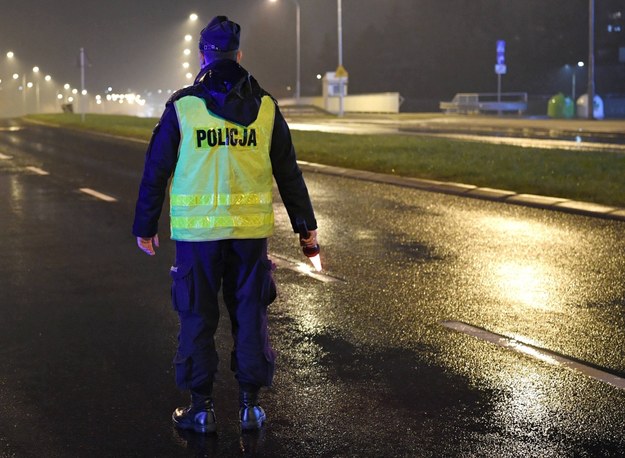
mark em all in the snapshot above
pixel 303 268
pixel 4 157
pixel 536 353
pixel 37 170
pixel 98 195
pixel 10 129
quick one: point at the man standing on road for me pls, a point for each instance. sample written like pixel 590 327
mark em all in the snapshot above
pixel 222 139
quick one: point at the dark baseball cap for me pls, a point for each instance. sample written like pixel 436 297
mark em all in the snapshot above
pixel 220 35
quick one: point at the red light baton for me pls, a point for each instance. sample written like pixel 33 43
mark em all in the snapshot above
pixel 311 252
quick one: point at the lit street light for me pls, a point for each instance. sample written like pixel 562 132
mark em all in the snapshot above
pixel 579 64
pixel 37 91
pixel 192 27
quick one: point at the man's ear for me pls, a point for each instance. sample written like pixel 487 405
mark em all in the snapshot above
pixel 239 56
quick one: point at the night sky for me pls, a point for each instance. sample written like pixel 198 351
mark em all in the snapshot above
pixel 420 48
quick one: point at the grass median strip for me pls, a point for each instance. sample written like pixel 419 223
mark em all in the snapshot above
pixel 586 176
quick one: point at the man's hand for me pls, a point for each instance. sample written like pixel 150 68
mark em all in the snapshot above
pixel 147 244
pixel 310 241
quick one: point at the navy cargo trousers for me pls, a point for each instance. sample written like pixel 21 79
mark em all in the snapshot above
pixel 242 270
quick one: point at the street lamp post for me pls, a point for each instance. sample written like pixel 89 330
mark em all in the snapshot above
pixel 340 34
pixel 37 94
pixel 591 59
pixel 82 84
pixel 24 93
pixel 298 49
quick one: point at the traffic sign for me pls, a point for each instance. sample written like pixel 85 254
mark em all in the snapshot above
pixel 500 66
pixel 500 69
pixel 341 72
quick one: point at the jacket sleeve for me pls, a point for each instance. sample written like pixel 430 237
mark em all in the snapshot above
pixel 288 175
pixel 160 162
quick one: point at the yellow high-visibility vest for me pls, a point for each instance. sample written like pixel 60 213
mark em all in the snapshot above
pixel 222 184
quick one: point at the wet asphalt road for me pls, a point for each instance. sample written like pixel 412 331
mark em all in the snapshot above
pixel 365 367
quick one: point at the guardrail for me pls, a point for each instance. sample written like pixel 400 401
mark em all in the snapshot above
pixel 485 102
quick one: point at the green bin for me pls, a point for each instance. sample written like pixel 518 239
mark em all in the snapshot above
pixel 558 107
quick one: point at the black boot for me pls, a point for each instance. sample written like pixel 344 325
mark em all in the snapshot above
pixel 199 416
pixel 252 415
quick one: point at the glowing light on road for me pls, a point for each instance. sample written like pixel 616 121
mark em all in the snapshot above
pixel 185 65
pixel 193 17
pixel 15 76
pixel 48 78
pixel 188 37
pixel 187 52
pixel 59 96
pixel 84 92
pixel 189 76
pixel 74 91
pixel 66 86
pixel 36 69
pixel 98 195
pixel 10 54
pixel 37 170
pixel 316 262
pixel 29 85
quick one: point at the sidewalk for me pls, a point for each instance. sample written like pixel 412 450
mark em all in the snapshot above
pixel 528 126
pixel 482 123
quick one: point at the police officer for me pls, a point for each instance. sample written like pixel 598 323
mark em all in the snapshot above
pixel 221 140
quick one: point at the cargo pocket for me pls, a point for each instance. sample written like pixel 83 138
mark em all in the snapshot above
pixel 268 290
pixel 183 366
pixel 270 356
pixel 182 287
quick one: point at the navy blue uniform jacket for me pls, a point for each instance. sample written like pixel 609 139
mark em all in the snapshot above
pixel 233 94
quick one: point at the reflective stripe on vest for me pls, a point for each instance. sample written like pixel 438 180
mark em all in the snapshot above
pixel 222 184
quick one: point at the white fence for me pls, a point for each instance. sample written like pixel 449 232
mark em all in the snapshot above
pixel 473 102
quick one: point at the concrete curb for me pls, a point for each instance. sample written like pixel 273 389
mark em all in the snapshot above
pixel 475 192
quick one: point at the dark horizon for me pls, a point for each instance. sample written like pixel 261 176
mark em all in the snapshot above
pixel 422 49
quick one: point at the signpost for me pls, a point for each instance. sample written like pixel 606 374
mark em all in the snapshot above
pixel 500 67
